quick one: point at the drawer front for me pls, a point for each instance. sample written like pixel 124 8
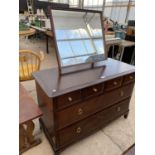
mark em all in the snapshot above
pixel 129 78
pixel 91 106
pixel 68 99
pixel 92 91
pixel 91 124
pixel 114 83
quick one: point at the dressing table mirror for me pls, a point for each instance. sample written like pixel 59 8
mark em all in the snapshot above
pixel 79 38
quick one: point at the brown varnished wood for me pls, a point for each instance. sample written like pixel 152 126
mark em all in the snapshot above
pixel 50 79
pixel 68 99
pixel 84 109
pixel 22 137
pixel 88 109
pixel 27 112
pixel 46 105
pixel 26 138
pixel 78 130
pixel 114 83
pixel 28 109
pixel 129 78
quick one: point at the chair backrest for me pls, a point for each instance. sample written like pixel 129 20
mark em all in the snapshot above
pixel 29 62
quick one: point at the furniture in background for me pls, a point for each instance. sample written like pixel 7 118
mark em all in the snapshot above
pixel 24 34
pixel 78 104
pixel 47 33
pixel 29 62
pixel 38 28
pixel 27 33
pixel 131 28
pixel 40 5
pixel 130 35
pixel 123 45
pixel 129 53
pixel 28 111
pixel 112 42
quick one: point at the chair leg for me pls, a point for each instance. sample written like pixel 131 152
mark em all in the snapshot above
pixel 47 44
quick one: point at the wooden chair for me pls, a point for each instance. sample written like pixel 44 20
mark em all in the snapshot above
pixel 29 62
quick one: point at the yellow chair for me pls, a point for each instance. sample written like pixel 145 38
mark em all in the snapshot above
pixel 29 62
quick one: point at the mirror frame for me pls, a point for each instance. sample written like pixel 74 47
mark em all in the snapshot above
pixel 55 41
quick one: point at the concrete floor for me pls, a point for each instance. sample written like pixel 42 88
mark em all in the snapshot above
pixel 111 140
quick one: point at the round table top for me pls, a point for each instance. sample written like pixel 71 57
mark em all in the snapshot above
pixel 27 32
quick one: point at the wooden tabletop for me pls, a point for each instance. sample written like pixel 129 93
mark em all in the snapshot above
pixel 113 41
pixel 47 32
pixel 27 32
pixel 126 43
pixel 54 84
pixel 28 109
pixel 38 28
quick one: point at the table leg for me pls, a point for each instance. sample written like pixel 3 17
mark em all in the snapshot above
pixel 107 49
pixel 113 51
pixel 122 53
pixel 27 139
pixel 133 58
pixel 29 131
pixel 47 44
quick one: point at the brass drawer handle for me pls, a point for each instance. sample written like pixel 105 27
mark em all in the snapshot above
pixel 115 83
pixel 70 99
pixel 78 130
pixel 118 109
pixel 122 93
pixel 95 90
pixel 131 77
pixel 80 111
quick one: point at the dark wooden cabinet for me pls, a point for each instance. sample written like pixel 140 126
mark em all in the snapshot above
pixel 78 104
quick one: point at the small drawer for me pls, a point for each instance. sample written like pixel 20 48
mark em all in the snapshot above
pixel 80 129
pixel 93 90
pixel 68 99
pixel 114 83
pixel 88 107
pixel 129 78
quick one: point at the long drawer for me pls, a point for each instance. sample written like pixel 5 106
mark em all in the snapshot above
pixel 87 126
pixel 84 109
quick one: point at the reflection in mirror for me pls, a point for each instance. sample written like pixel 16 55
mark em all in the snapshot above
pixel 79 37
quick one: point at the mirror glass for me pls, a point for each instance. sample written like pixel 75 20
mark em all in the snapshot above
pixel 79 37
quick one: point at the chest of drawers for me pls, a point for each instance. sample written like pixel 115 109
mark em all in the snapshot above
pixel 77 105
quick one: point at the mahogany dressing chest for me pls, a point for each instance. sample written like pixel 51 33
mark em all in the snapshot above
pixel 76 105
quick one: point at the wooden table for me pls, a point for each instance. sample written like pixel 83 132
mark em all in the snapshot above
pixel 123 45
pixel 26 33
pixel 130 150
pixel 48 34
pixel 28 111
